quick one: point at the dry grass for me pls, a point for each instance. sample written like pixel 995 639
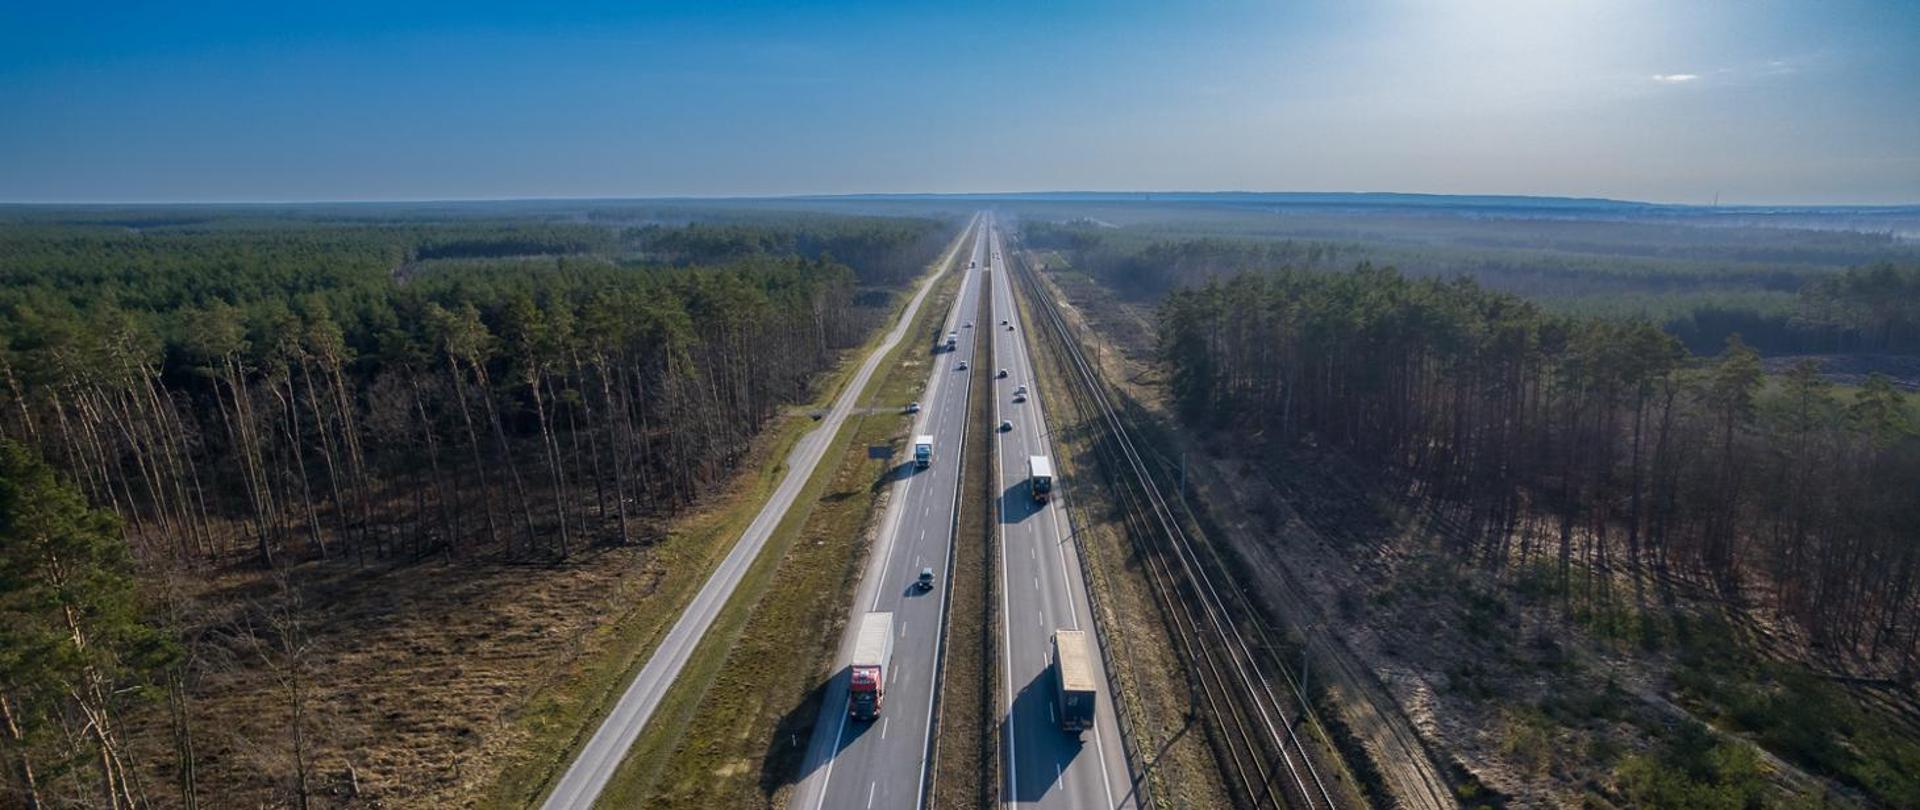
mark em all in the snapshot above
pixel 967 771
pixel 434 683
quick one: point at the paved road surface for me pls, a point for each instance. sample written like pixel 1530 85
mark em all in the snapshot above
pixel 596 763
pixel 855 764
pixel 1042 591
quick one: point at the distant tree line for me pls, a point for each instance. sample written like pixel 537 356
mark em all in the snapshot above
pixel 1593 446
pixel 882 252
pixel 1874 308
pixel 1779 304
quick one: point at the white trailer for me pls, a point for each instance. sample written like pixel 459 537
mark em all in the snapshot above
pixel 1040 477
pixel 872 657
pixel 923 450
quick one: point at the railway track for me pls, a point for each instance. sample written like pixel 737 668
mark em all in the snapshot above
pixel 1221 638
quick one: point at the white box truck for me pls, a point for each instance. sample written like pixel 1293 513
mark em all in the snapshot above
pixel 1073 680
pixel 1040 477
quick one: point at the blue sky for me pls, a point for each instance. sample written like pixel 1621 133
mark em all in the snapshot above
pixel 1770 101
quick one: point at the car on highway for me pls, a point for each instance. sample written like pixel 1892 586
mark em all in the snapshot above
pixel 961 366
pixel 1021 390
pixel 1006 425
pixel 913 407
pixel 969 324
pixel 1019 397
pixel 1002 375
pixel 1003 321
pixel 925 582
pixel 1009 327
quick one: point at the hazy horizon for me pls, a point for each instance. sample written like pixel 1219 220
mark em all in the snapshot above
pixel 1794 103
pixel 1362 197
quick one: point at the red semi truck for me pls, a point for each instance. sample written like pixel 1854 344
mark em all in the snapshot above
pixel 872 657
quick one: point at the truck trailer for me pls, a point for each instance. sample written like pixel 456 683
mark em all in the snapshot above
pixel 872 658
pixel 1073 680
pixel 923 451
pixel 1040 477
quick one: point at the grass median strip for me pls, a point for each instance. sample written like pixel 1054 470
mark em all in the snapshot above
pixel 965 769
pixel 732 729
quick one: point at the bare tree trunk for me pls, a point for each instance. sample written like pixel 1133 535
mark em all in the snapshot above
pixel 473 443
pixel 22 758
pixel 326 454
pixel 550 449
pixel 356 457
pixel 235 436
pixel 505 450
pixel 623 446
pixel 290 404
pixel 445 488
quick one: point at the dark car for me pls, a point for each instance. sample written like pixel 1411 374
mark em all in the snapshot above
pixel 925 582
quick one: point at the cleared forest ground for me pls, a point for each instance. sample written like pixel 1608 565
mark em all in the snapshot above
pixel 436 684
